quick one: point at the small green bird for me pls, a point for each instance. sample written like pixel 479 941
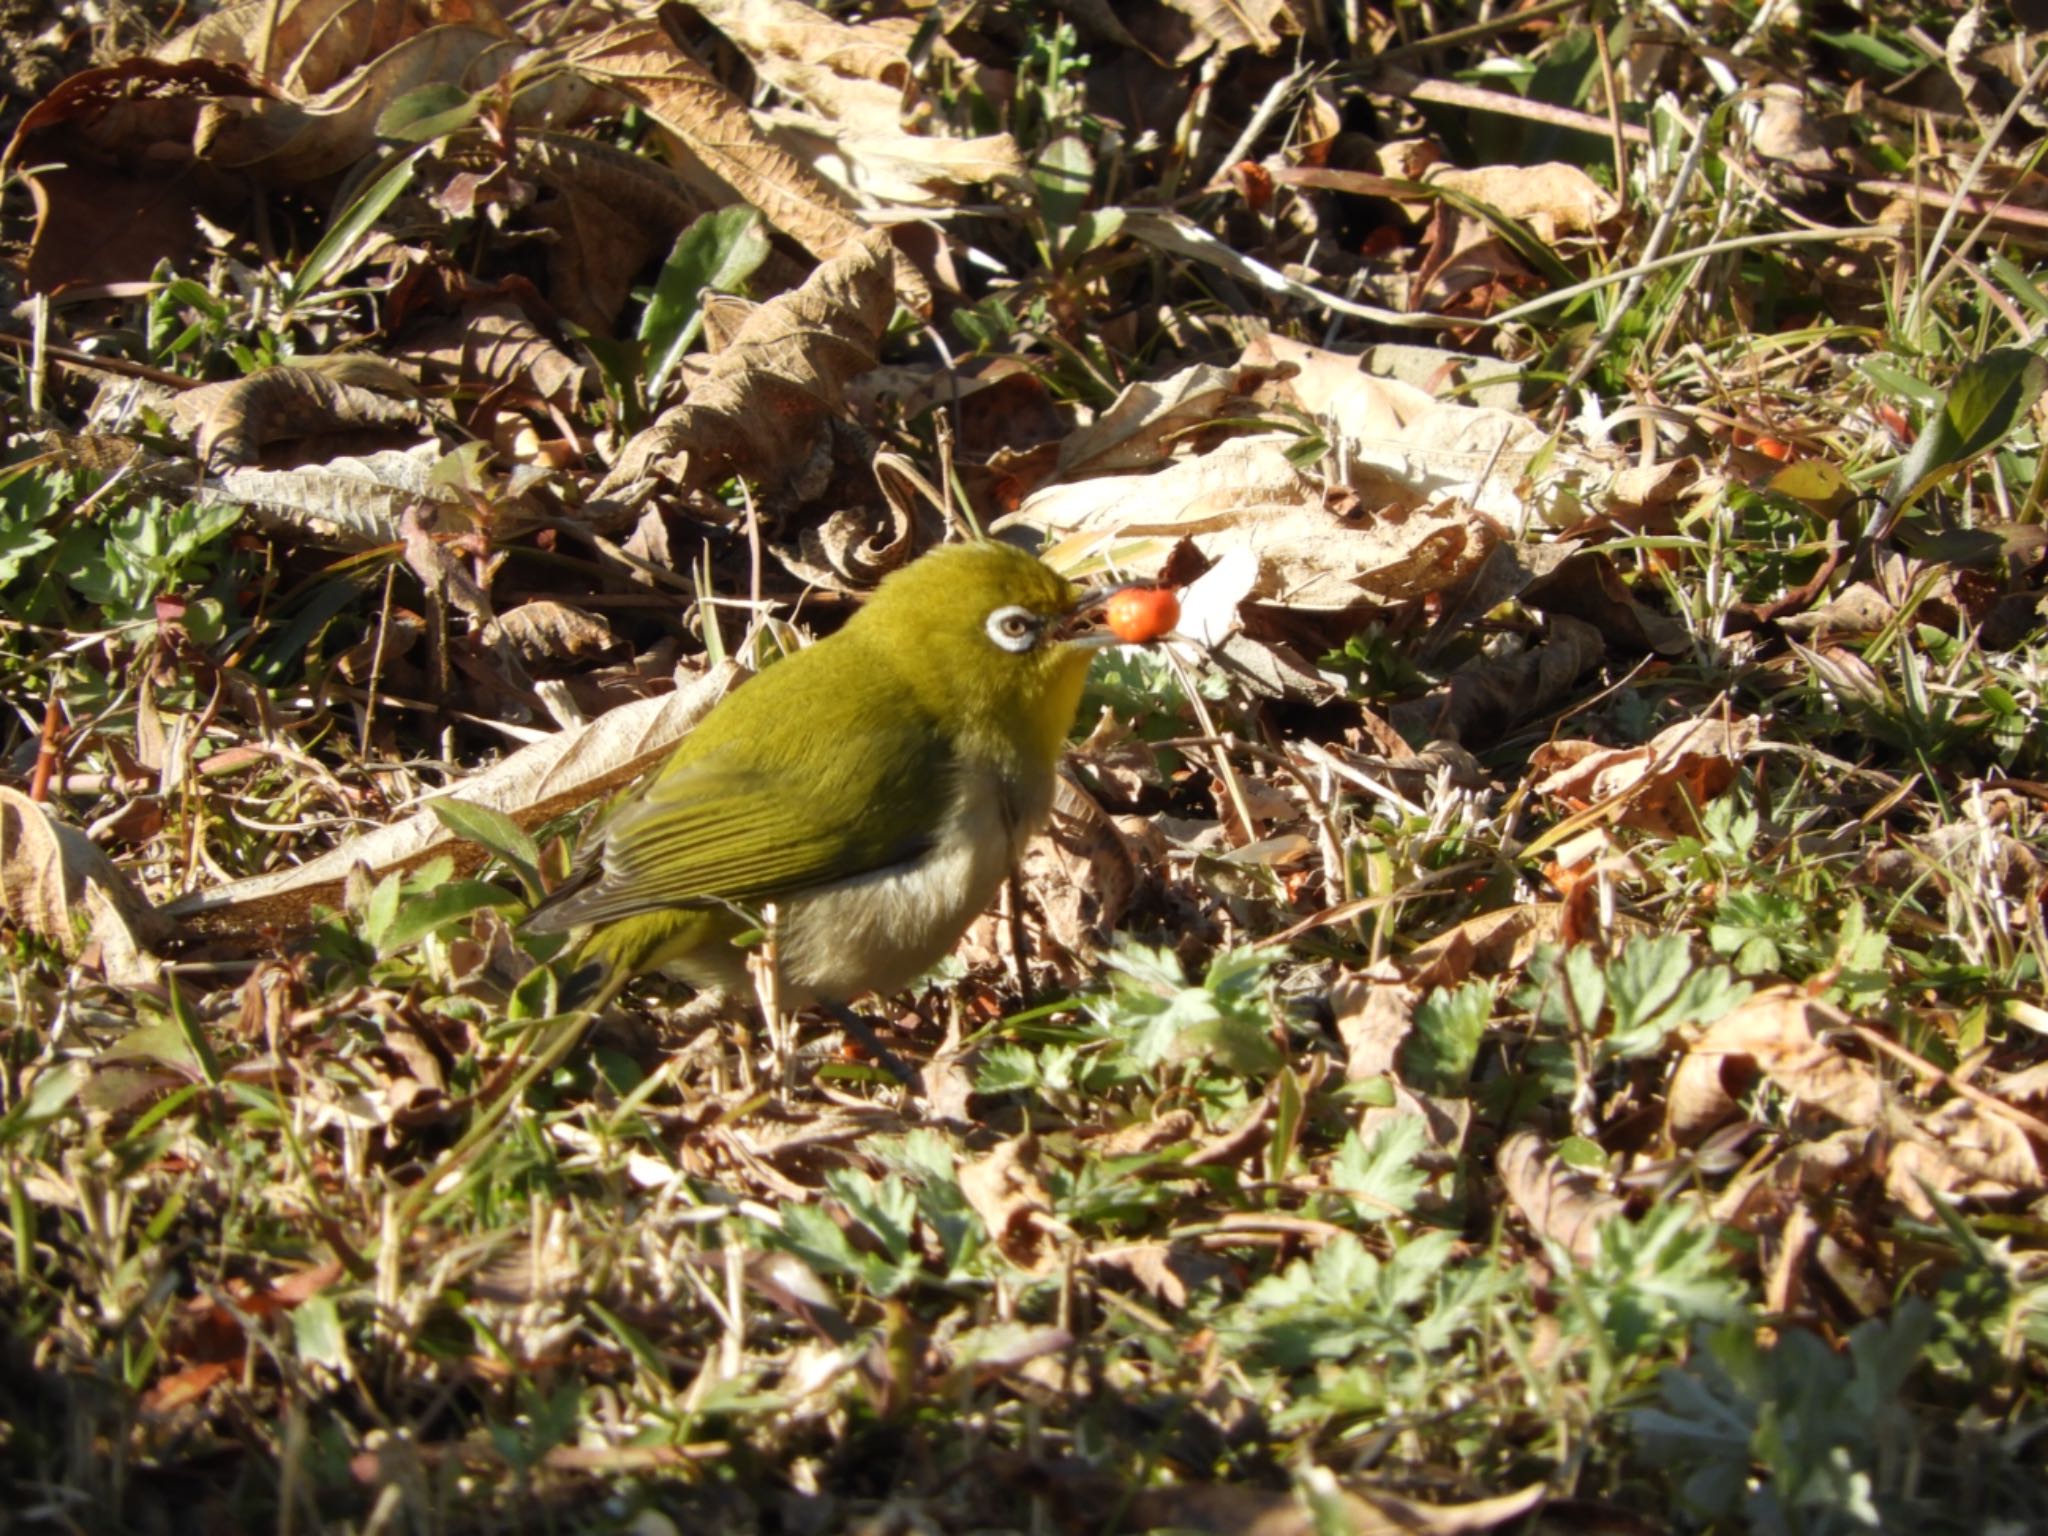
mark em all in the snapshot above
pixel 876 787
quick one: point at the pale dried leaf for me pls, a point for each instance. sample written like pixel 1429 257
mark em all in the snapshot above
pixel 1553 199
pixel 234 421
pixel 345 503
pixel 713 131
pixel 1315 549
pixel 1145 424
pixel 55 883
pixel 882 170
pixel 532 786
pixel 1561 1204
pixel 1403 445
pixel 1374 1015
pixel 1261 25
pixel 1006 1193
pixel 1230 1509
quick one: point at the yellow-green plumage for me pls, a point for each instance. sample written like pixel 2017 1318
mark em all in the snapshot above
pixel 874 787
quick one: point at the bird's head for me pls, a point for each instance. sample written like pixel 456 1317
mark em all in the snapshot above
pixel 992 639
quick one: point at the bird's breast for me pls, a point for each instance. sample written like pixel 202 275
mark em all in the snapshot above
pixel 879 932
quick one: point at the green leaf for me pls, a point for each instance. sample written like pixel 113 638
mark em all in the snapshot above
pixel 1872 51
pixel 1991 395
pixel 317 1334
pixel 493 830
pixel 438 908
pixel 429 113
pixel 1382 1170
pixel 1063 175
pixel 718 252
pixel 1443 1044
pixel 48 1097
pixel 355 222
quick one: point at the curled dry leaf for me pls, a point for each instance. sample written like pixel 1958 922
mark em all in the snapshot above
pixel 548 631
pixel 1658 787
pixel 292 143
pixel 1560 1203
pixel 765 405
pixel 57 885
pixel 111 149
pixel 717 137
pixel 1006 1193
pixel 1145 424
pixel 1261 25
pixel 299 46
pixel 491 346
pixel 1554 199
pixel 609 211
pixel 532 786
pixel 1079 871
pixel 233 422
pixel 1316 549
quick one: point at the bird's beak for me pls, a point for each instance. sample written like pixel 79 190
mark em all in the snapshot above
pixel 1083 625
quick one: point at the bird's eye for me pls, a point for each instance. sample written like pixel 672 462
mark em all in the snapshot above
pixel 1014 629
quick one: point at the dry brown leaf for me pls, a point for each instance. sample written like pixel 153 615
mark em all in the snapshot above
pixel 882 170
pixel 1145 424
pixel 765 405
pixel 610 211
pixel 1229 1509
pixel 546 631
pixel 300 46
pixel 1314 550
pixel 233 422
pixel 1079 872
pixel 489 346
pixel 1261 25
pixel 111 149
pixel 1374 1014
pixel 713 133
pixel 1166 1271
pixel 1006 1194
pixel 1496 943
pixel 1560 1203
pixel 1553 199
pixel 1403 445
pixel 1483 700
pixel 532 786
pixel 1778 1031
pixel 355 502
pixel 1659 787
pixel 1961 1150
pixel 291 143
pixel 57 885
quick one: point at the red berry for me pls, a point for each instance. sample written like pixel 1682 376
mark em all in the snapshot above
pixel 1138 614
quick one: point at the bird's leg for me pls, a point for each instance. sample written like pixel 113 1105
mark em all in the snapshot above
pixel 764 968
pixel 1013 917
pixel 862 1034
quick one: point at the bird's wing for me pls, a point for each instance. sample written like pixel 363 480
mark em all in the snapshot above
pixel 729 830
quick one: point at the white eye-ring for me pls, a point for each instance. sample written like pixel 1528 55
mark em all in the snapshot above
pixel 1014 629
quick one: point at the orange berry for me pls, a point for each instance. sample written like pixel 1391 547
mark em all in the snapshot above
pixel 1138 614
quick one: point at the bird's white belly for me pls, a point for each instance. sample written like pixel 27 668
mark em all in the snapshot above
pixel 880 932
